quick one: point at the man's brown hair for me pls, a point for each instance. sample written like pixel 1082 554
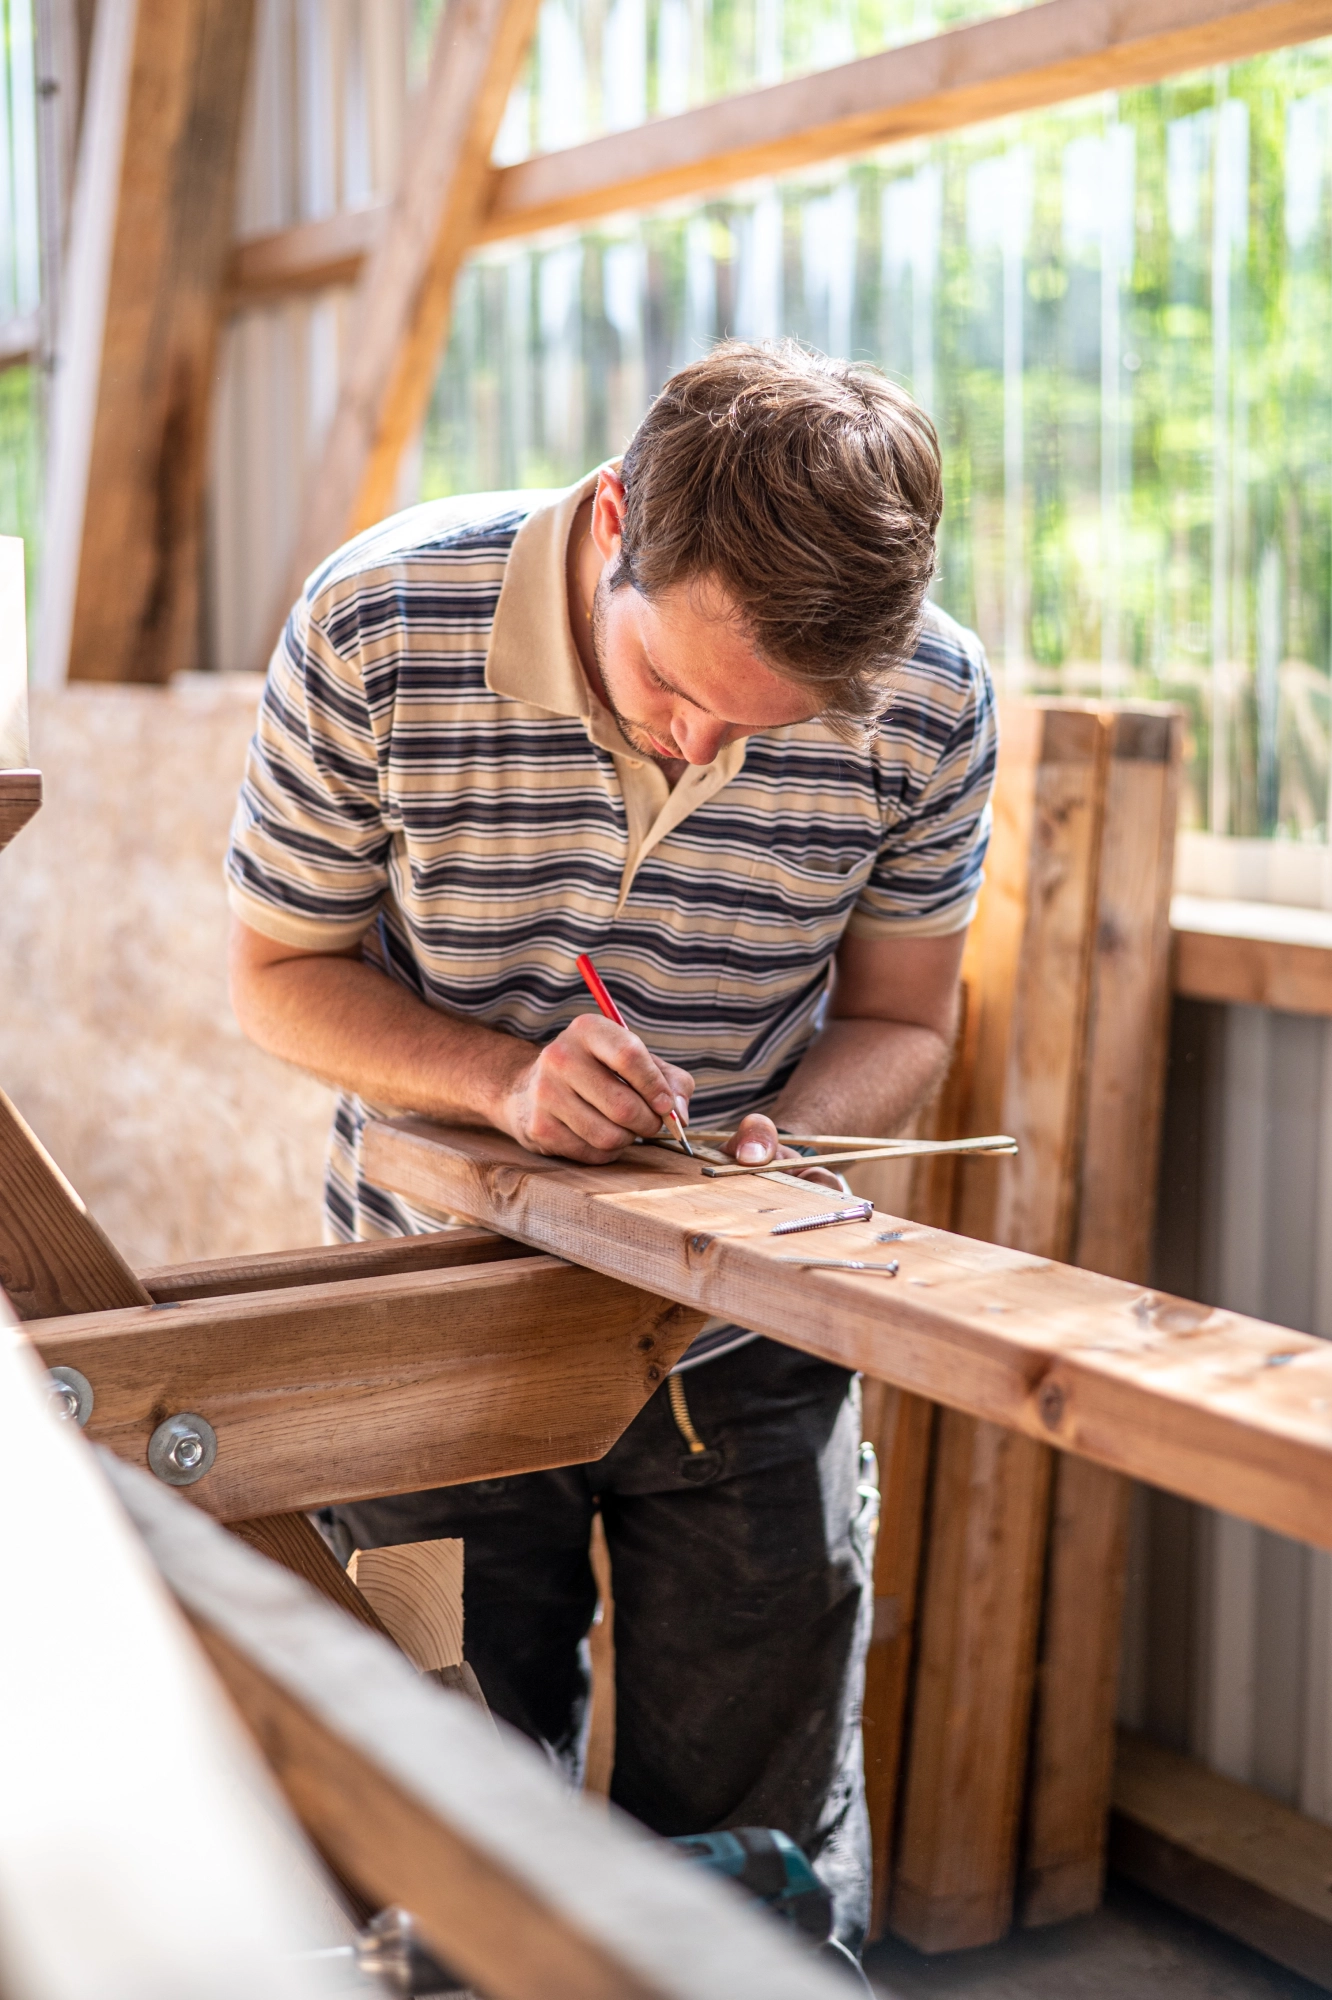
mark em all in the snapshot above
pixel 810 490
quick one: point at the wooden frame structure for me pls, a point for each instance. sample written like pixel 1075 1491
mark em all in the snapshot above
pixel 149 249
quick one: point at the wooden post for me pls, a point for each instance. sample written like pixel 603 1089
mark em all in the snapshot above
pixel 1073 1735
pixel 402 305
pixel 149 238
pixel 954 1873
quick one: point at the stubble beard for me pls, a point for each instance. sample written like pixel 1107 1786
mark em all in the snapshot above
pixel 632 732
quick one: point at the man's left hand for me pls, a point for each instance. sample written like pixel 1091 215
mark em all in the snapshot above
pixel 756 1143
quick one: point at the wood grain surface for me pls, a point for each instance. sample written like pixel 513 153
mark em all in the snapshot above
pixel 1219 1407
pixel 151 228
pixel 416 1589
pixel 91 1634
pixel 20 798
pixel 327 1263
pixel 1072 1754
pixel 339 1392
pixel 53 1257
pixel 418 1800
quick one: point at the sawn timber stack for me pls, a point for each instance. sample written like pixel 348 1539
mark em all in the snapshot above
pixel 1215 1406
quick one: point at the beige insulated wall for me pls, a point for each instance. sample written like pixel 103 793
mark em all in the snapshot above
pixel 116 1040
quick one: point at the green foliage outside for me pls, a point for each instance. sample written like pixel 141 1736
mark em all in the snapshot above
pixel 1117 312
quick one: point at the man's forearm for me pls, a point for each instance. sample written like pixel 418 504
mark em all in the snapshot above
pixel 863 1076
pixel 357 1030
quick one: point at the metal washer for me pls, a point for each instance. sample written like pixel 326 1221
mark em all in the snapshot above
pixel 67 1383
pixel 182 1449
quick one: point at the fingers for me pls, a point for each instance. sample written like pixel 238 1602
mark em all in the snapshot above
pixel 592 1090
pixel 755 1142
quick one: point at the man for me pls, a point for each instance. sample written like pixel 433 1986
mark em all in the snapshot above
pixel 692 717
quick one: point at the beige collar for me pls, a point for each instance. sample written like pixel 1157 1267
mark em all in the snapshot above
pixel 532 658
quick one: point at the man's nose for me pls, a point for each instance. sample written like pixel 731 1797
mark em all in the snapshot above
pixel 700 737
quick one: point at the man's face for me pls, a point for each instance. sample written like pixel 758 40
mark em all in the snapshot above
pixel 680 675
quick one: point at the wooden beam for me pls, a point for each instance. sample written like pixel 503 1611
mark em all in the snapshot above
pixel 1030 963
pixel 1068 1796
pixel 528 1893
pixel 325 1264
pixel 20 798
pixel 1253 954
pixel 53 1256
pixel 108 1709
pixel 416 1590
pixel 402 306
pixel 149 240
pixel 952 1882
pixel 1018 62
pixel 1255 1869
pixel 348 1391
pixel 1210 1404
pixel 294 1541
pixel 307 257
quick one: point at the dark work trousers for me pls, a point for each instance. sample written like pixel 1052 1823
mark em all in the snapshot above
pixel 741 1577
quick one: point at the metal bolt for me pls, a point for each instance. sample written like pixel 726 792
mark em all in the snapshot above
pixel 182 1449
pixel 71 1395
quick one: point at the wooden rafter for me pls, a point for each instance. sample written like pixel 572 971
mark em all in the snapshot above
pixel 402 305
pixel 342 1391
pixel 150 231
pixel 417 1801
pixel 90 1632
pixel 1209 1404
pixel 1018 62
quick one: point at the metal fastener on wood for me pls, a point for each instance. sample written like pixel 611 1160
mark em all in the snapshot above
pixel 71 1395
pixel 182 1449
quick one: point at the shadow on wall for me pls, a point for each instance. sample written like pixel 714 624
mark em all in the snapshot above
pixel 117 1042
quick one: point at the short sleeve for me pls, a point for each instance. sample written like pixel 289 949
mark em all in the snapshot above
pixel 308 859
pixel 943 728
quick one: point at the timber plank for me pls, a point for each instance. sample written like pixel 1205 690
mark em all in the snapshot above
pixel 91 1634
pixel 326 1263
pixel 338 1392
pixel 53 1256
pixel 1213 1405
pixel 294 1541
pixel 149 240
pixel 1253 1867
pixel 1253 954
pixel 527 1892
pixel 20 798
pixel 1031 957
pixel 1073 1736
pixel 952 1877
pixel 1040 55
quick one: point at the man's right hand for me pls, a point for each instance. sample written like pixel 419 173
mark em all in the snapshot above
pixel 589 1093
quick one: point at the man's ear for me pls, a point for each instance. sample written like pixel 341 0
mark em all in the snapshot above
pixel 607 525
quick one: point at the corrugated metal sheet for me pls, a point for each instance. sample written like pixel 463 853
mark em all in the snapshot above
pixel 1228 1639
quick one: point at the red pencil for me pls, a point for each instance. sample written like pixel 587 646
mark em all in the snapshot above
pixel 596 986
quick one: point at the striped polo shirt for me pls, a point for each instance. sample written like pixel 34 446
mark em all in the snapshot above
pixel 431 776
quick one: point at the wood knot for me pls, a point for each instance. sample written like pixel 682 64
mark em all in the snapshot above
pixel 1050 1404
pixel 646 1343
pixel 653 1373
pixel 506 1182
pixel 698 1244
